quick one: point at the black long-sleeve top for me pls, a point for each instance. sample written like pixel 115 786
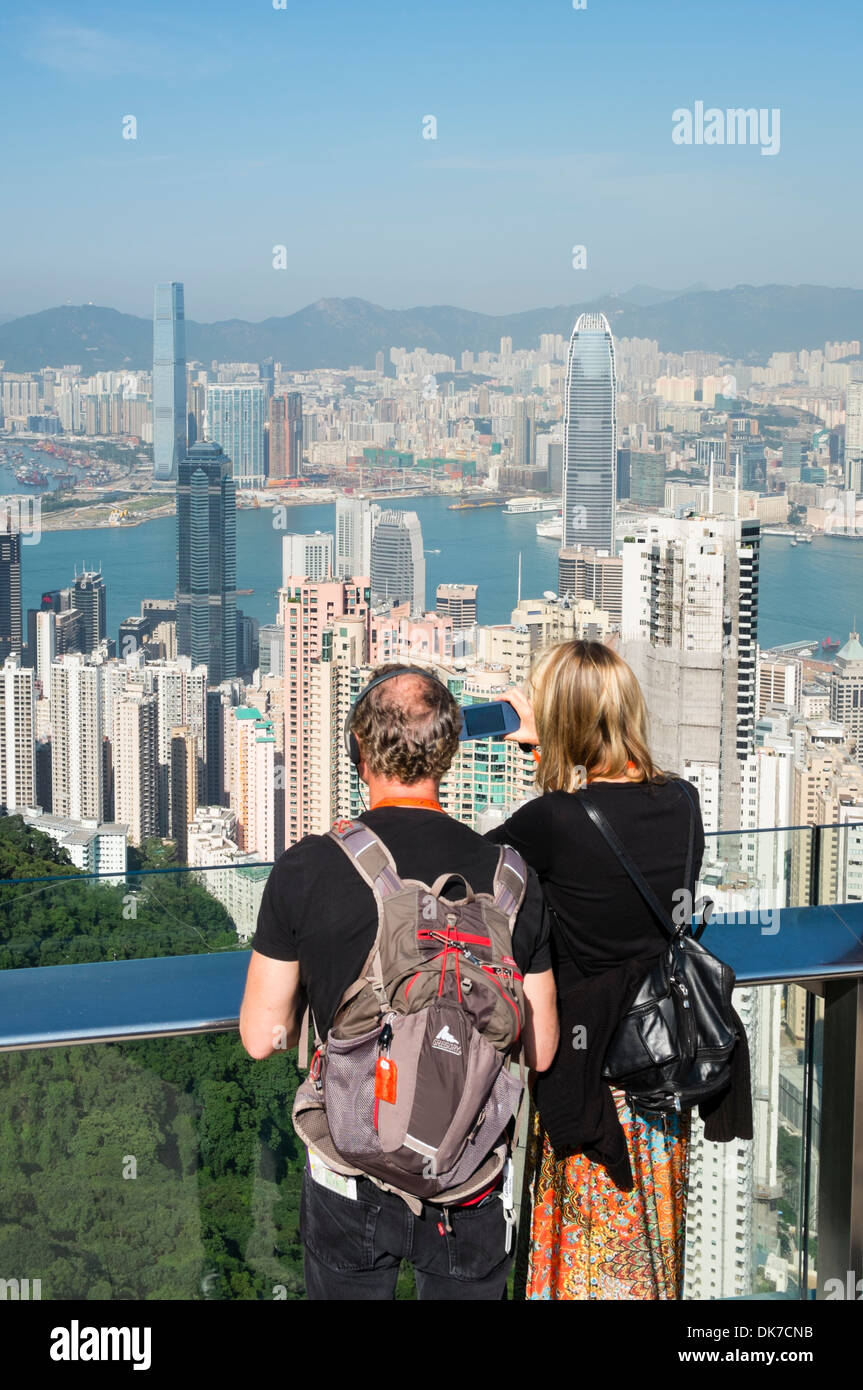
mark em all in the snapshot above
pixel 604 938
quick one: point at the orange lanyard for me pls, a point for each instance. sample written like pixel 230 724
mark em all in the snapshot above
pixel 425 805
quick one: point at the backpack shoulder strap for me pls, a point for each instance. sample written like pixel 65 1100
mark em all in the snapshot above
pixel 376 866
pixel 510 881
pixel 369 856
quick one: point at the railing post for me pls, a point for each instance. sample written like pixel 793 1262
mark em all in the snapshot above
pixel 840 1185
pixel 815 867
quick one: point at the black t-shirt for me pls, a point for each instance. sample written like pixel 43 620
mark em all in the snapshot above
pixel 317 910
pixel 599 918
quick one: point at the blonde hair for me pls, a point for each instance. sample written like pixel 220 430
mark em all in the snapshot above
pixel 591 718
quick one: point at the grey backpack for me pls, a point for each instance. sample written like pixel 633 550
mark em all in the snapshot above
pixel 412 1087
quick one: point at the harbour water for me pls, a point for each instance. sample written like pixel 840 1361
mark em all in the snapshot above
pixel 806 592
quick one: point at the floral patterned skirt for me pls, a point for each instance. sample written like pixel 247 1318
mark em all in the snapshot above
pixel 589 1239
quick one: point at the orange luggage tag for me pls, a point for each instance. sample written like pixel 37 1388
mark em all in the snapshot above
pixel 386 1074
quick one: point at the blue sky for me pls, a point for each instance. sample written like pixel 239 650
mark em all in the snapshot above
pixel 303 127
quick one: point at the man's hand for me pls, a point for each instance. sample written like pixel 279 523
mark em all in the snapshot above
pixel 269 1013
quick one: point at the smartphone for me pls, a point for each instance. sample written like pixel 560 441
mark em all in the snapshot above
pixel 488 721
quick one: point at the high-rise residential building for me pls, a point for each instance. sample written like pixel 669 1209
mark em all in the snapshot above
pixel 846 691
pixel 398 567
pixel 135 763
pixel 326 634
pixel 584 573
pixel 181 702
pixel 457 601
pixel 777 681
pixel 355 523
pixel 11 635
pixel 185 783
pixel 235 421
pixel 207 562
pixel 311 556
pixel 590 436
pixel 169 380
pixel 524 432
pixel 252 781
pixel 46 648
pixel 271 648
pixel 690 614
pixel 77 771
pixel 90 600
pixel 17 741
pixel 854 436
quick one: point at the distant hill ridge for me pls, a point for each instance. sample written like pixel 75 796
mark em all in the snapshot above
pixel 747 322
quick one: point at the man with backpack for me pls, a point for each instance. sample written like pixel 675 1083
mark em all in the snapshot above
pixel 423 954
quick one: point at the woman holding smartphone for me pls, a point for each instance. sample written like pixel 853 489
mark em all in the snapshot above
pixel 609 1185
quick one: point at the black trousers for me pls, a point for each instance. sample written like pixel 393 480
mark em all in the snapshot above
pixel 353 1248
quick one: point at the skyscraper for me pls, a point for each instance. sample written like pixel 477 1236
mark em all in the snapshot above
pixel 294 433
pixel 846 691
pixel 169 380
pixel 77 775
pixel 690 616
pixel 135 763
pixel 310 556
pixel 17 745
pixel 457 601
pixel 207 562
pixel 590 436
pixel 11 636
pixel 235 421
pixel 355 523
pixel 398 567
pixel 524 432
pixel 854 436
pixel 89 590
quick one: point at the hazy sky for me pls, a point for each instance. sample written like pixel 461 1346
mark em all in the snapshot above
pixel 303 127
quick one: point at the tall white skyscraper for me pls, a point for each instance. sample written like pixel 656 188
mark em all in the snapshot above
pixel 46 648
pixel 590 436
pixel 136 792
pixel 309 556
pixel 17 749
pixel 690 616
pixel 77 779
pixel 356 519
pixel 398 567
pixel 235 421
pixel 169 380
pixel 854 436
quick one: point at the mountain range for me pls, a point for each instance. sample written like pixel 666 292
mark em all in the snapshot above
pixel 746 323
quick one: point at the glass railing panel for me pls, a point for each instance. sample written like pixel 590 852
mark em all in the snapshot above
pixel 75 918
pixel 743 1218
pixel 150 1170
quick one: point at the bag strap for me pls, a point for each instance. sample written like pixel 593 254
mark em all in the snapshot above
pixel 510 881
pixel 609 834
pixel 376 866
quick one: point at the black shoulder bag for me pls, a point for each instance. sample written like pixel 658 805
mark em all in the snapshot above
pixel 672 1049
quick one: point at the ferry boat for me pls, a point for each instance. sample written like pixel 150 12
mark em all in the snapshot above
pixel 517 506
pixel 550 530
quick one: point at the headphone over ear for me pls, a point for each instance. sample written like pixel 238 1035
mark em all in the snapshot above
pixel 353 748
